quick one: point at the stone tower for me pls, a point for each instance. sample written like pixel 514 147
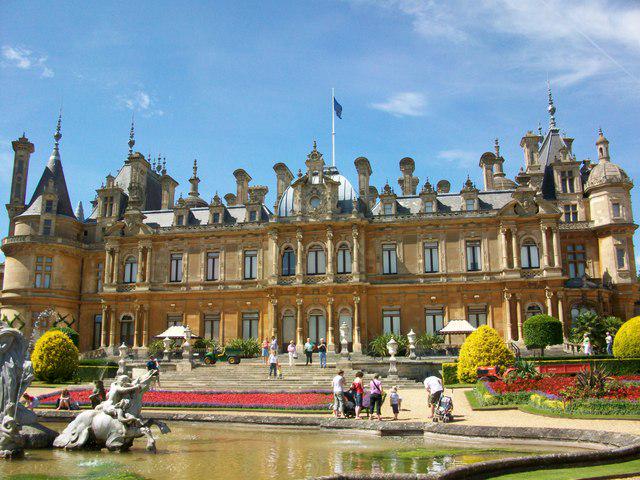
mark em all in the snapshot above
pixel 23 149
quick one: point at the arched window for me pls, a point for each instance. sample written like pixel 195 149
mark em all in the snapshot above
pixel 529 255
pixel 130 270
pixel 316 261
pixel 533 309
pixel 344 259
pixel 288 262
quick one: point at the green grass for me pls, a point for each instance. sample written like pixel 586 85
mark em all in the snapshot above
pixel 460 385
pixel 574 473
pixel 476 405
pixel 547 413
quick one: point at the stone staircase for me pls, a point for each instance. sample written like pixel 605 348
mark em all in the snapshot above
pixel 253 375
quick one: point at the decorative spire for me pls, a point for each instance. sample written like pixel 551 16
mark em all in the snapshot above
pixel 132 140
pixel 194 181
pixel 80 212
pixel 55 155
pixel 164 165
pixel 600 134
pixel 58 135
pixel 539 129
pixel 551 108
pixel 496 147
pixel 195 168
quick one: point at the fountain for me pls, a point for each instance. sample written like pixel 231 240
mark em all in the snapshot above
pixel 19 428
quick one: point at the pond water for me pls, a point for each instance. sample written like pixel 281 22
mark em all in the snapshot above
pixel 207 450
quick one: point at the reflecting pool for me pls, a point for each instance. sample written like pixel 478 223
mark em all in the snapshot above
pixel 206 450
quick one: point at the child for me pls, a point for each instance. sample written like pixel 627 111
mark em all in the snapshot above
pixel 273 364
pixel 396 401
pixel 29 401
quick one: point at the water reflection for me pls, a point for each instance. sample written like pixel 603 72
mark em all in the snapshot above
pixel 258 452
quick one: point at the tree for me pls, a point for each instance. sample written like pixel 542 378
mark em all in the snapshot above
pixel 595 327
pixel 626 343
pixel 54 357
pixel 542 331
pixel 482 347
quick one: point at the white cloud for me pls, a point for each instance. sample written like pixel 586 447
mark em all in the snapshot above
pixel 140 101
pixel 26 59
pixel 459 157
pixel 403 104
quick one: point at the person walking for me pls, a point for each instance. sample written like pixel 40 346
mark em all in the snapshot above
pixel 434 388
pixel 273 364
pixel 291 350
pixel 586 344
pixel 274 344
pixel 609 341
pixel 153 366
pixel 308 351
pixel 396 401
pixel 375 396
pixel 358 393
pixel 338 394
pixel 322 353
pixel 265 351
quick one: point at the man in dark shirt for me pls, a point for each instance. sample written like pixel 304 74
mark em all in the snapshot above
pixel 322 350
pixel 153 366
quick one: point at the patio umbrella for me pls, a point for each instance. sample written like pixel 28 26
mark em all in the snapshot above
pixel 175 331
pixel 457 327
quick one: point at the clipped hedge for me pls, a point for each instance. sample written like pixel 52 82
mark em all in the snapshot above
pixel 91 373
pixel 482 347
pixel 97 362
pixel 450 373
pixel 626 343
pixel 71 333
pixel 542 331
pixel 54 357
pixel 615 366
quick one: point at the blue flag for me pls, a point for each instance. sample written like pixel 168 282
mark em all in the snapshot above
pixel 337 108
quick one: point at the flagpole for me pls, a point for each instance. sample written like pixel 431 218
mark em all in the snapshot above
pixel 333 129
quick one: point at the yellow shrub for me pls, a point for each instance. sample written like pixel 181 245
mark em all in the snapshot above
pixel 55 357
pixel 484 347
pixel 626 343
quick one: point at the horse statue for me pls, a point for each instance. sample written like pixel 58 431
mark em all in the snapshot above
pixel 115 423
pixel 16 375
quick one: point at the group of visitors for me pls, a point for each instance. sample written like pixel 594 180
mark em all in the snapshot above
pixel 308 348
pixel 587 348
pixel 270 356
pixel 357 392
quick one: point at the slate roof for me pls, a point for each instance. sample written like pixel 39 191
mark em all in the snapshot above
pixel 200 216
pixel 451 202
pixel 550 148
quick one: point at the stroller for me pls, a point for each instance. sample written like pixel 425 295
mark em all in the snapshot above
pixel 349 404
pixel 442 412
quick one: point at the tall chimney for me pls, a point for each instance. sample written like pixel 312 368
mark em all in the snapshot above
pixel 364 174
pixel 283 179
pixel 242 186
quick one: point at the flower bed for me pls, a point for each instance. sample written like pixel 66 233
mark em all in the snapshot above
pixel 304 400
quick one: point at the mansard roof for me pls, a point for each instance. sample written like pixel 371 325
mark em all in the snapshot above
pixel 200 216
pixel 450 202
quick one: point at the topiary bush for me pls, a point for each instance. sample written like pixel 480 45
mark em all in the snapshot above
pixel 482 347
pixel 542 331
pixel 449 373
pixel 55 357
pixel 71 333
pixel 626 343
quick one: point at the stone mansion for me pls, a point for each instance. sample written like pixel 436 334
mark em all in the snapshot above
pixel 556 239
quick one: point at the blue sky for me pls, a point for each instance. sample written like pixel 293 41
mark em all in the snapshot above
pixel 247 84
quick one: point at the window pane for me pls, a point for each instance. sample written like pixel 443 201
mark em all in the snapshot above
pixel 616 209
pixel 322 262
pixel 620 255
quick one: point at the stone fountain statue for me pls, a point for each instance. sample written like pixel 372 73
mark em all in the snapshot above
pixel 116 422
pixel 19 427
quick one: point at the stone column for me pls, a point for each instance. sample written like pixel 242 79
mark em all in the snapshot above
pixel 139 272
pixel 545 247
pixel 356 251
pixel 565 327
pixel 357 345
pixel 299 256
pixel 330 253
pixel 136 323
pixel 516 250
pixel 273 238
pixel 330 343
pixel 112 329
pixel 145 327
pixel 299 341
pixel 185 266
pixel 549 295
pixel 147 273
pixel 273 315
pixel 108 264
pixel 116 266
pixel 519 317
pixel 490 319
pixel 557 261
pixel 103 327
pixel 507 310
pixel 503 245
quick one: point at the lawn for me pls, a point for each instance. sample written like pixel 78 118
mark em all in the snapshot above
pixel 593 471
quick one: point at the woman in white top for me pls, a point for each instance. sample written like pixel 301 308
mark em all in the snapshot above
pixel 291 350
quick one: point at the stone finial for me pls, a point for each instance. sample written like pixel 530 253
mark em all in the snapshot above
pixel 132 140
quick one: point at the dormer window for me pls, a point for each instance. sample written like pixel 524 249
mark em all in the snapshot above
pixel 571 213
pixel 470 205
pixel 314 202
pixel 428 207
pixel 253 215
pixel 216 218
pixel 48 206
pixel 566 182
pixel 180 220
pixel 46 227
pixel 616 210
pixel 388 209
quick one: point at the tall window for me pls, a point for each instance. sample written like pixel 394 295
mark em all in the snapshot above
pixel 213 266
pixel 389 259
pixel 620 257
pixel 529 256
pixel 253 215
pixel 470 205
pixel 44 268
pixel 570 213
pixel 130 270
pixel 180 220
pixel 46 227
pixel 97 330
pixel 388 209
pixel 428 207
pixel 250 264
pixel 48 206
pixel 288 262
pixel 216 218
pixel 430 257
pixel 344 259
pixel 316 261
pixel 391 321
pixel 434 320
pixel 108 206
pixel 317 326
pixel 126 330
pixel 174 320
pixel 566 182
pixel 474 262
pixel 175 274
pixel 99 276
pixel 615 210
pixel 250 325
pixel 212 326
pixel 576 260
pixel 533 309
pixel 477 316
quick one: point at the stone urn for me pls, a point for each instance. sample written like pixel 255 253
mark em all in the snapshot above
pixel 392 348
pixel 411 336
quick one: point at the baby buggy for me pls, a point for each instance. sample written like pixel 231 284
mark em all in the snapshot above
pixel 443 410
pixel 349 404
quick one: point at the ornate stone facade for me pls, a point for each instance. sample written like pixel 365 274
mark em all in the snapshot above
pixel 558 239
